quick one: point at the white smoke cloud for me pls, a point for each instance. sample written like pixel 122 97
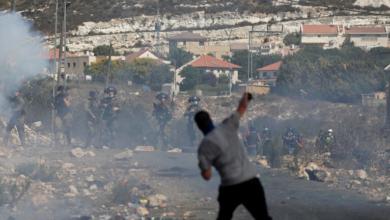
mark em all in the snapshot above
pixel 18 44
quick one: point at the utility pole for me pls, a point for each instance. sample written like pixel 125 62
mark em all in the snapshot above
pixel 230 78
pixel 109 64
pixel 60 56
pixel 13 7
pixel 64 42
pixel 158 29
pixel 54 72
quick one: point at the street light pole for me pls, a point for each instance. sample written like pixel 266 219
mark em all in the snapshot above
pixel 65 42
pixel 230 78
pixel 54 71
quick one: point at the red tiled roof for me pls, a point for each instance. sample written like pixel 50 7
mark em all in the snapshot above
pixel 209 61
pixel 320 29
pixel 274 66
pixel 50 54
pixel 137 54
pixel 365 30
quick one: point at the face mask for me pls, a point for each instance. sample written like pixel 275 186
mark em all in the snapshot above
pixel 330 134
pixel 111 96
pixel 195 103
pixel 266 129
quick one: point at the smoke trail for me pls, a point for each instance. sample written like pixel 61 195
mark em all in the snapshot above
pixel 18 44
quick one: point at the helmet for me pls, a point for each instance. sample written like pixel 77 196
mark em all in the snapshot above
pixel 330 130
pixel 162 96
pixel 93 93
pixel 252 128
pixel 194 98
pixel 265 126
pixel 61 88
pixel 110 89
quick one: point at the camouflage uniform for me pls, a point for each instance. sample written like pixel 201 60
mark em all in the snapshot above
pixel 191 130
pixel 17 118
pixel 63 119
pixel 110 122
pixel 91 108
pixel 163 115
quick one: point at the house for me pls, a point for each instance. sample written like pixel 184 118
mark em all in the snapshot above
pixel 196 44
pixel 268 74
pixel 263 48
pixel 206 63
pixel 324 36
pixel 367 37
pixel 333 36
pixel 374 99
pixel 145 54
pixel 287 51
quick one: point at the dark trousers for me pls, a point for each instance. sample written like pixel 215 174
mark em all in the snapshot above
pixel 249 193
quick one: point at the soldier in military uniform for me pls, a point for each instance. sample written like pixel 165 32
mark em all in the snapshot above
pixel 111 109
pixel 17 104
pixel 63 119
pixel 190 112
pixel 91 108
pixel 162 112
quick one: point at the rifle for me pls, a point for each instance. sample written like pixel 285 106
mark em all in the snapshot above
pixel 173 103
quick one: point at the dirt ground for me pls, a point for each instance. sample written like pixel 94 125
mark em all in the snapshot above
pixel 176 176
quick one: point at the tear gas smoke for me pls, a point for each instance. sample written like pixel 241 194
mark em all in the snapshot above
pixel 19 44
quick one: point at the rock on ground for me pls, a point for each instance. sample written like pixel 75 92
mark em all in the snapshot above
pixel 124 155
pixel 78 152
pixel 144 148
pixel 360 174
pixel 73 189
pixel 157 200
pixel 142 211
pixel 262 162
pixel 175 150
pixel 318 175
pixel 39 199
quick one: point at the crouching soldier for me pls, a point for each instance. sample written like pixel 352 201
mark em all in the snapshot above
pixel 91 108
pixel 17 118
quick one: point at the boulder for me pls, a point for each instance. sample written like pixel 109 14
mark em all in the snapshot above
pixel 89 169
pixel 262 162
pixel 319 175
pixel 312 166
pixel 93 187
pixel 360 174
pixel 157 200
pixel 144 148
pixel 350 172
pixel 89 178
pixel 67 166
pixel 39 200
pixel 73 189
pixel 126 155
pixel 36 125
pixel 90 154
pixel 142 211
pixel 303 174
pixel 78 152
pixel 175 150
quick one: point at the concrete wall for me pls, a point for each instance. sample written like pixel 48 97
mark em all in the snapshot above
pixel 322 39
pixel 369 40
pixel 255 90
pixel 196 48
pixel 373 102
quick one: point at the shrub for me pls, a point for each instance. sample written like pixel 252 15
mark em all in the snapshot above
pixel 191 76
pixel 209 78
pixel 11 192
pixel 223 79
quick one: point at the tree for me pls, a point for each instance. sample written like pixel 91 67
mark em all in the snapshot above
pixel 336 75
pixel 292 38
pixel 104 50
pixel 67 48
pixel 191 76
pixel 209 78
pixel 179 56
pixel 210 54
pixel 159 75
pixel 118 71
pixel 142 68
pixel 127 52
